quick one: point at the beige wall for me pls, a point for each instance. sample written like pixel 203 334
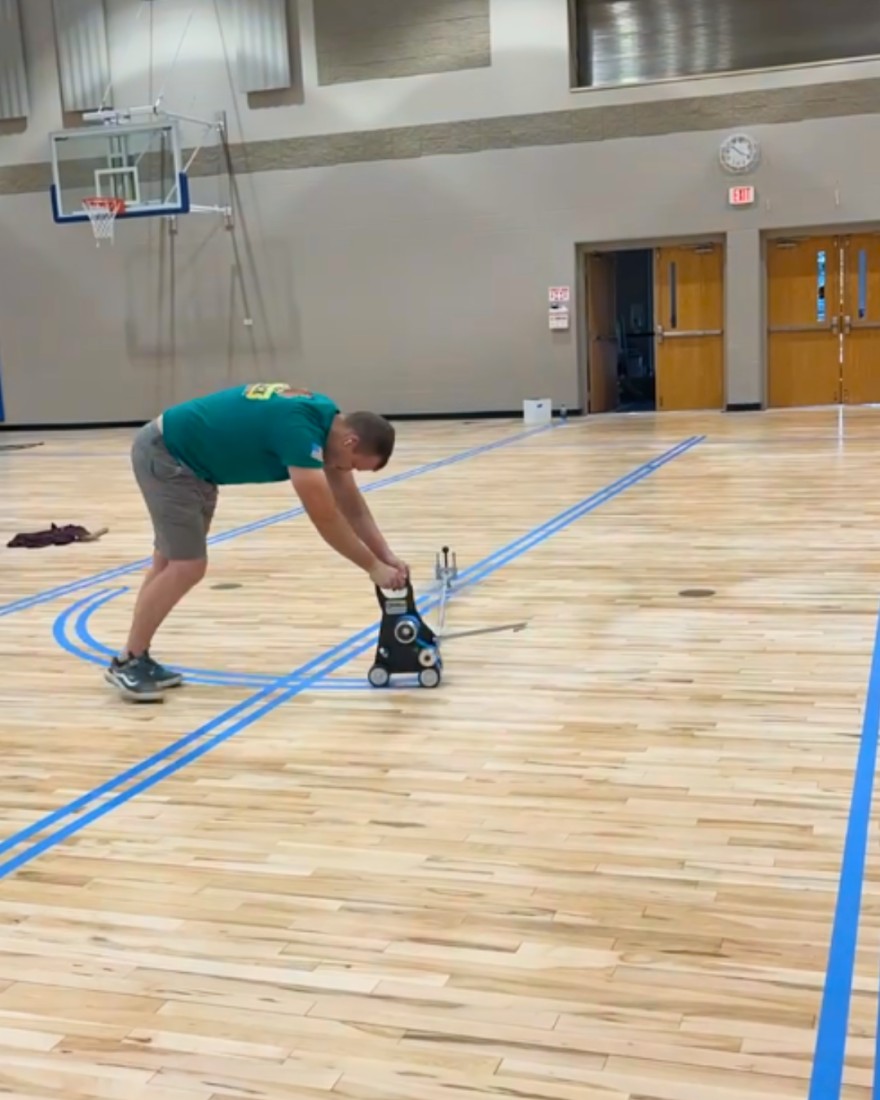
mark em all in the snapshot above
pixel 418 283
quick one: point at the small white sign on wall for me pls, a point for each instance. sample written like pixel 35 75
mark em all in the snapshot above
pixel 560 318
pixel 559 295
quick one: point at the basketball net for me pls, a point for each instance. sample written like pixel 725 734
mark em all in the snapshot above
pixel 102 214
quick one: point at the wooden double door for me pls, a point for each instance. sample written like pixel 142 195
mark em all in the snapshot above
pixel 688 328
pixel 823 314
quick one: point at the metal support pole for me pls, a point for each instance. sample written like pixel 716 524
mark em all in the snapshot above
pixel 441 618
pixel 446 571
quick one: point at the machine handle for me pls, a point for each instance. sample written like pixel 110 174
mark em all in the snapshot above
pixel 398 594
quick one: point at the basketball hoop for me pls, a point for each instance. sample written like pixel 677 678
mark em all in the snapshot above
pixel 102 214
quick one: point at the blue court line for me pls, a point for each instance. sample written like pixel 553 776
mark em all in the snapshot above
pixel 829 1056
pixel 97 653
pixel 247 712
pixel 27 602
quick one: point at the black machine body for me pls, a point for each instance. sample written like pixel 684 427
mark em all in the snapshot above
pixel 406 643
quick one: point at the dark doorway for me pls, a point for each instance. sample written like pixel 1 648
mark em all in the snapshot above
pixel 635 327
pixel 620 326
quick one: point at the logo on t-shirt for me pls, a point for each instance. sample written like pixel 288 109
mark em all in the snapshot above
pixel 264 391
pixel 318 453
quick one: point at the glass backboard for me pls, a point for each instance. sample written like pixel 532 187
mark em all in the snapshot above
pixel 137 163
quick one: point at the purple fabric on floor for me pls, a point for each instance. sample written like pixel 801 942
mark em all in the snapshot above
pixel 55 536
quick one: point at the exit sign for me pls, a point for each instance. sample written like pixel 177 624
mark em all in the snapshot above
pixel 741 196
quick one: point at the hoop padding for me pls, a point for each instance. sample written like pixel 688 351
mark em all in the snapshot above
pixel 102 213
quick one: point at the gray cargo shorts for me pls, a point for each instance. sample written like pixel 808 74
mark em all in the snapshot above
pixel 181 504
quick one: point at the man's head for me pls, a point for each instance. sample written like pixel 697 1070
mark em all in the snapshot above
pixel 360 441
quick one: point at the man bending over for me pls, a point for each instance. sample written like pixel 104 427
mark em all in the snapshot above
pixel 250 434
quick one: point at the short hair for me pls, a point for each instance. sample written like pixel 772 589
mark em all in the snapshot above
pixel 375 434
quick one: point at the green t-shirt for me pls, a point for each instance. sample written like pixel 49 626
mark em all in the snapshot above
pixel 250 434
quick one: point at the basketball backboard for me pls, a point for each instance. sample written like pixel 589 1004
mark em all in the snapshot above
pixel 139 163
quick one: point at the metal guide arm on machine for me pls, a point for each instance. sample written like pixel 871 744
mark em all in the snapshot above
pixel 446 572
pixel 407 644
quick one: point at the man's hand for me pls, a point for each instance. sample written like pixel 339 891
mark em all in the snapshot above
pixel 388 577
pixel 395 562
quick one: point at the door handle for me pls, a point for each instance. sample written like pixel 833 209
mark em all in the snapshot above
pixel 835 324
pixel 780 329
pixel 847 324
pixel 695 332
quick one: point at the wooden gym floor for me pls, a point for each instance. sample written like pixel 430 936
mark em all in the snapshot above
pixel 604 861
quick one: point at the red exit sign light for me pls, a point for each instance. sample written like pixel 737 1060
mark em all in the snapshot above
pixel 741 196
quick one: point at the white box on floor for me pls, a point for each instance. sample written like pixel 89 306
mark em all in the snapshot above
pixel 538 410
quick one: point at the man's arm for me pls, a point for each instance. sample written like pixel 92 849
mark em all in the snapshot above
pixel 353 506
pixel 320 504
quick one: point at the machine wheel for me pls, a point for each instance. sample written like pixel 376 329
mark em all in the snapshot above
pixel 429 657
pixel 379 676
pixel 429 677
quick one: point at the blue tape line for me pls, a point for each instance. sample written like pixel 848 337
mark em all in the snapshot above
pixel 27 602
pixel 270 698
pixel 83 609
pixel 829 1056
pixel 97 652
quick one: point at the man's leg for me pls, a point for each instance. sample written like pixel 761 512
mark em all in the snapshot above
pixel 159 563
pixel 181 507
pixel 158 598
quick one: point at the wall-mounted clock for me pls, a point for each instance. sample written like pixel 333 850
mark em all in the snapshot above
pixel 739 153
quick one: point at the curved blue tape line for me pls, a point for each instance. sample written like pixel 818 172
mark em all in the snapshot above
pixel 27 602
pixel 270 698
pixel 83 609
pixel 59 627
pixel 197 675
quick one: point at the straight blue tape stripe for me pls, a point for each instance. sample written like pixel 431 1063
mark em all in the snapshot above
pixel 27 602
pixel 564 519
pixel 60 835
pixel 829 1057
pixel 272 697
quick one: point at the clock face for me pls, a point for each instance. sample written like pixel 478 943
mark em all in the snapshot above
pixel 739 153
